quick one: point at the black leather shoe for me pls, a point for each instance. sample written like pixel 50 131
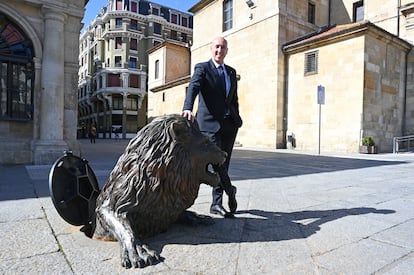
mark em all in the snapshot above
pixel 232 200
pixel 219 210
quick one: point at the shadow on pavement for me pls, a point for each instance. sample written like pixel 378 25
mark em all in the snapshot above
pixel 259 226
pixel 247 164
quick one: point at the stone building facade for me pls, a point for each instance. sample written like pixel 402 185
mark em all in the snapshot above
pixel 113 61
pixel 38 79
pixel 362 69
pixel 364 50
pixel 169 74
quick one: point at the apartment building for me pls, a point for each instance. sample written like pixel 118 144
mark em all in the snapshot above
pixel 360 52
pixel 113 59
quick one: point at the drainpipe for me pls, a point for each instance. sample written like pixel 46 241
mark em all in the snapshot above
pixel 285 97
pixel 329 12
pixel 398 18
pixel 404 117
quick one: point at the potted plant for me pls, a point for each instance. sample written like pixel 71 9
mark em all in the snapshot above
pixel 368 145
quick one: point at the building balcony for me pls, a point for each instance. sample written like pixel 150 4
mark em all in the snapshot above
pixel 108 91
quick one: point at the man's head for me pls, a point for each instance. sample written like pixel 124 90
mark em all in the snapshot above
pixel 219 49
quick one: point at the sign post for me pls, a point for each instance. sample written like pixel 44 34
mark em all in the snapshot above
pixel 321 100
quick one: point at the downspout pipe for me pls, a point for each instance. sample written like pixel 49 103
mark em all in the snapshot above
pixel 285 97
pixel 398 18
pixel 404 115
pixel 329 11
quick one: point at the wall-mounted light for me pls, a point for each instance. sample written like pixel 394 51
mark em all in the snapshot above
pixel 250 4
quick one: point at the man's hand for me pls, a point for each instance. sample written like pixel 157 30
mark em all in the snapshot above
pixel 188 114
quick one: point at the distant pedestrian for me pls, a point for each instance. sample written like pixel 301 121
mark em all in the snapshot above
pixel 92 134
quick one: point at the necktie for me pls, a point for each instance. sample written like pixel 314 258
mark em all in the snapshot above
pixel 223 77
pixel 223 80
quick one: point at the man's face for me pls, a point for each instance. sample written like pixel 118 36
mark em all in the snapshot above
pixel 219 50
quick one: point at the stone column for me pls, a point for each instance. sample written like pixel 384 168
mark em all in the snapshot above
pixel 125 85
pixel 104 77
pixel 50 144
pixel 143 89
pixel 37 98
pixel 52 81
pixel 124 115
pixel 97 80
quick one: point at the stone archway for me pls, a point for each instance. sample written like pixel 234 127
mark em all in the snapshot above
pixel 26 27
pixel 19 83
pixel 16 72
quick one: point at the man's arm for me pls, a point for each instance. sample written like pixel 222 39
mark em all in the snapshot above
pixel 194 88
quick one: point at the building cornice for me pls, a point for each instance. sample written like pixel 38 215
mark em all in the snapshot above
pixel 167 43
pixel 332 34
pixel 171 84
pixel 121 33
pixel 200 5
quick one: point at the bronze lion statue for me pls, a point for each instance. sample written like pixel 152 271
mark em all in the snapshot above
pixel 153 183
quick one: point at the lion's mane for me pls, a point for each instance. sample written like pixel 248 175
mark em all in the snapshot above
pixel 153 180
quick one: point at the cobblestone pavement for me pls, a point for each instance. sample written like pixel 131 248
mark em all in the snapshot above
pixel 298 213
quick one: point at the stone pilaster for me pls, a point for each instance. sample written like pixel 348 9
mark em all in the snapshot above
pixel 50 144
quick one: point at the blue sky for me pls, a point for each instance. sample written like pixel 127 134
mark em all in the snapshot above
pixel 93 7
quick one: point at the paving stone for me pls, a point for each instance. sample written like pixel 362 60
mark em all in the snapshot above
pixel 22 209
pixel 198 255
pixel 364 257
pixel 51 263
pixel 342 227
pixel 403 266
pixel 400 235
pixel 275 257
pixel 26 238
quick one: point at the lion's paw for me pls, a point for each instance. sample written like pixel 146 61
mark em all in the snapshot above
pixel 140 256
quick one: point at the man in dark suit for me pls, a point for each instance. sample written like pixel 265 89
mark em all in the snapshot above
pixel 217 115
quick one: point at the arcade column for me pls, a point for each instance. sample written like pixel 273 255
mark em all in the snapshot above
pixel 50 143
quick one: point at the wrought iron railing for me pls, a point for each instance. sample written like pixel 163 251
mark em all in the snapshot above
pixel 403 144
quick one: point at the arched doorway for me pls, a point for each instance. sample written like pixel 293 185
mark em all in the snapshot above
pixel 16 72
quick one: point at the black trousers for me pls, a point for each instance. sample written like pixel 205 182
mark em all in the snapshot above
pixel 224 139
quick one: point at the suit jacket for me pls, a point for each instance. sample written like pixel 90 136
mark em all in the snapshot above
pixel 212 100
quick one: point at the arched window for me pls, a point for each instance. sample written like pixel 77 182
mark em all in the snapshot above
pixel 16 72
pixel 157 69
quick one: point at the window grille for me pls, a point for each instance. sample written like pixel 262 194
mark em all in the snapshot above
pixel 311 63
